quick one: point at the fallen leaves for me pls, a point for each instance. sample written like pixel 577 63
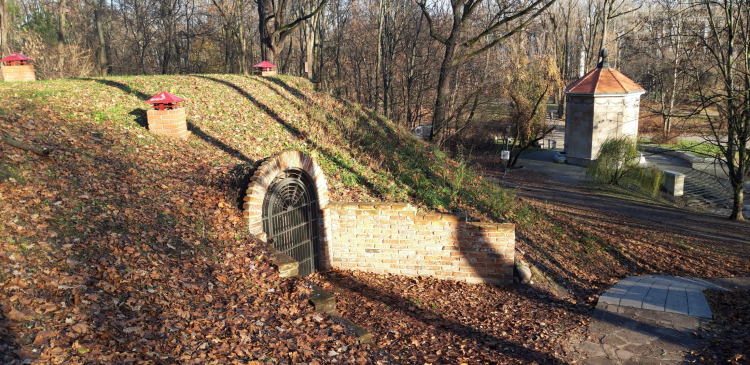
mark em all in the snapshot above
pixel 727 333
pixel 16 315
pixel 423 320
pixel 114 251
pixel 80 328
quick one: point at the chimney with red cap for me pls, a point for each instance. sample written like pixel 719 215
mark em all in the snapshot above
pixel 166 117
pixel 16 67
pixel 264 69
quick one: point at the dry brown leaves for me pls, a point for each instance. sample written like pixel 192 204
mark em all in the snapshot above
pixel 428 321
pixel 116 251
pixel 727 334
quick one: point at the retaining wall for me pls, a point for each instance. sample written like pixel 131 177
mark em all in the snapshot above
pixel 395 238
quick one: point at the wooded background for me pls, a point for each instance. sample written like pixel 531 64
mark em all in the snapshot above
pixel 416 62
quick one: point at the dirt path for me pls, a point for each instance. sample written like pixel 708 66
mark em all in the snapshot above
pixel 556 186
pixel 656 217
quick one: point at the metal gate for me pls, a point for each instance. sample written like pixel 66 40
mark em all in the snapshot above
pixel 290 218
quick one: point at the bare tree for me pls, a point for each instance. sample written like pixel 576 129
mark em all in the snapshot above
pixel 463 43
pixel 667 55
pixel 61 10
pixel 102 51
pixel 273 28
pixel 726 41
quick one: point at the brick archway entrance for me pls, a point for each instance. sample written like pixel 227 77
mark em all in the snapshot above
pixel 285 201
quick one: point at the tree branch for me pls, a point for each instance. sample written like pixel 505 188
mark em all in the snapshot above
pixel 499 23
pixel 26 147
pixel 285 30
pixel 427 16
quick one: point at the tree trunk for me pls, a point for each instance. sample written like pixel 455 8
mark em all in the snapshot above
pixel 4 48
pixel 61 37
pixel 310 33
pixel 317 66
pixel 375 98
pixel 444 89
pixel 241 38
pixel 243 49
pixel 605 21
pixel 268 47
pixel 737 204
pixel 103 63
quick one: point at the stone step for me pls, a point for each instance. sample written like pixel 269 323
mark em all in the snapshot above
pixel 321 300
pixel 707 192
pixel 325 302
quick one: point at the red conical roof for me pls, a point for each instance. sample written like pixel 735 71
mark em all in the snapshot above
pixel 16 57
pixel 603 81
pixel 165 98
pixel 265 64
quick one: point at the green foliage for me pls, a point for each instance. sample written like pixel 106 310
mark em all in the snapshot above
pixel 618 163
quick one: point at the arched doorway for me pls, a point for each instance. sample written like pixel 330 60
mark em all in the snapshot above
pixel 280 189
pixel 290 218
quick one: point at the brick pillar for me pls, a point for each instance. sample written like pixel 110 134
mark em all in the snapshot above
pixel 18 73
pixel 171 123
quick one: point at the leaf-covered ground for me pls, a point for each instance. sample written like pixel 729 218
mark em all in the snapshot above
pixel 728 331
pixel 122 246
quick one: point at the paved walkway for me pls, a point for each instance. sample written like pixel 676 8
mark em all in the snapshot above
pixel 627 335
pixel 662 293
pixel 647 320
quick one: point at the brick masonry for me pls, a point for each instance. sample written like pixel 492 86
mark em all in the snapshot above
pixel 18 73
pixel 394 238
pixel 261 181
pixel 171 123
pixel 265 73
pixel 391 237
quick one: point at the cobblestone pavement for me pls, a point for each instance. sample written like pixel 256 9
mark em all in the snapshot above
pixel 627 335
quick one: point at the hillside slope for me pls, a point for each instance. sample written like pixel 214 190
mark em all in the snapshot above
pixel 124 245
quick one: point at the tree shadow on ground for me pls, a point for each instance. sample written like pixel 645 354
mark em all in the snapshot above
pixel 9 341
pixel 118 85
pixel 294 91
pixel 141 118
pixel 298 133
pixel 467 334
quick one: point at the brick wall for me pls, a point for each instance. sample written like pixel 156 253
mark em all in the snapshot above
pixel 18 73
pixel 395 238
pixel 171 123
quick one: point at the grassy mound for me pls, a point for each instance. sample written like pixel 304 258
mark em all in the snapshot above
pixel 125 245
pixel 237 121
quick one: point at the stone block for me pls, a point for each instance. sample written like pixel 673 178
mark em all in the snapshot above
pixel 323 301
pixel 674 182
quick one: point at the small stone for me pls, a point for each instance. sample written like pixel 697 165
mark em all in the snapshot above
pixel 524 273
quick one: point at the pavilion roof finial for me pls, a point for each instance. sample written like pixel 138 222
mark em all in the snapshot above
pixel 603 64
